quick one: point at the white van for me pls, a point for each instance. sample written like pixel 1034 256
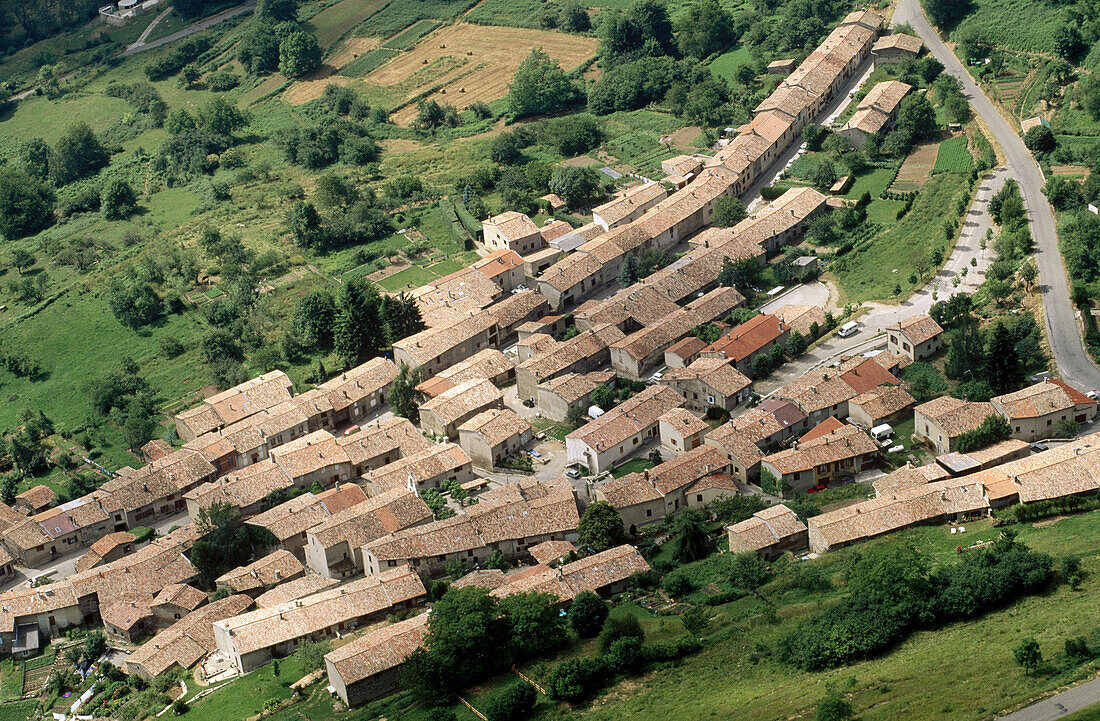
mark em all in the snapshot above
pixel 882 433
pixel 848 329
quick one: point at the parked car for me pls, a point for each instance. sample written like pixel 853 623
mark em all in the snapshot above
pixel 572 473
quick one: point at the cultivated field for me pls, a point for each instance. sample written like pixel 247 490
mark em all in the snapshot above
pixel 953 157
pixel 332 22
pixel 473 62
pixel 916 168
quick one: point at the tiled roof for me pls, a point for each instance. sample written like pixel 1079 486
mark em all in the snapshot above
pixel 906 507
pixel 37 497
pixel 863 374
pixel 684 421
pixel 917 329
pixel 1069 469
pixel 765 528
pixel 639 196
pixel 267 571
pixel 842 443
pixel 899 41
pixel 717 373
pixel 187 640
pixel 267 627
pixel 801 317
pixel 299 587
pixel 436 460
pixel 488 363
pixel 686 468
pixel 1041 399
pixel 482 578
pixel 456 403
pixel 955 416
pixel 519 510
pixel 571 386
pixel 147 570
pixel 629 490
pixel 513 225
pixel 883 401
pixel 748 338
pixel 427 345
pixel 243 487
pixel 588 574
pixel 628 418
pixel 309 453
pixel 550 551
pixel 379 650
pixel 290 518
pixel 387 512
pixel 383 436
pixel 496 425
pixel 180 595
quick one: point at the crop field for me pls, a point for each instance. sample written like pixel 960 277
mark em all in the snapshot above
pixel 397 16
pixel 516 13
pixel 916 168
pixel 410 35
pixel 334 21
pixel 1028 25
pixel 473 62
pixel 953 157
pixel 1009 88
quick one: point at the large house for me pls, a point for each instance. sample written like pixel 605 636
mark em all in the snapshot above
pixel 509 519
pixel 252 639
pixel 770 533
pixel 876 113
pixel 916 337
pixel 1035 412
pixel 621 432
pixel 831 452
pixel 942 420
pixel 709 382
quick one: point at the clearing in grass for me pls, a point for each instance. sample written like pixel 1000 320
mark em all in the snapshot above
pixel 333 22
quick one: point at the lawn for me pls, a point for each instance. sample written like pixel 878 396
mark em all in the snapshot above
pixel 247 696
pixel 725 65
pixel 879 211
pixel 873 268
pixel 1016 24
pixel 337 20
pixel 1092 713
pixel 411 277
pixel 170 23
pixel 634 465
pixel 963 671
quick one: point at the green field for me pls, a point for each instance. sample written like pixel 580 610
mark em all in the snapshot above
pixel 725 65
pixel 1017 24
pixel 1092 713
pixel 866 272
pixel 17 710
pixel 336 21
pixel 411 35
pixel 953 157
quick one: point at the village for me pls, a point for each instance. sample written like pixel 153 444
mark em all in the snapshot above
pixel 542 388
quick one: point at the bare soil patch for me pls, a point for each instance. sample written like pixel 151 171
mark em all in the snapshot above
pixel 915 169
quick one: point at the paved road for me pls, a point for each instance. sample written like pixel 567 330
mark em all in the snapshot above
pixel 140 47
pixel 1070 701
pixel 1063 332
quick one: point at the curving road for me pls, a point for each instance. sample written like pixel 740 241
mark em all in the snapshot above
pixel 1063 333
pixel 1070 701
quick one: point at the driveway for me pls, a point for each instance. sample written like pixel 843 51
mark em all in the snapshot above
pixel 1069 701
pixel 1063 331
